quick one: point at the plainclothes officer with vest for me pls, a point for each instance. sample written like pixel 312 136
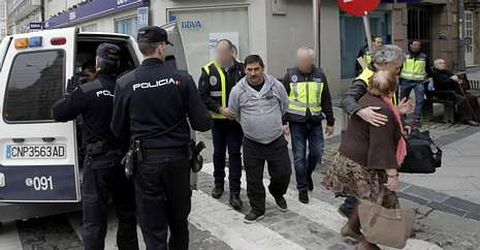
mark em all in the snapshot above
pixel 309 102
pixel 390 58
pixel 415 71
pixel 103 174
pixel 216 82
pixel 364 57
pixel 152 104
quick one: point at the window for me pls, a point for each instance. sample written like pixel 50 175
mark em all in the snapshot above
pixel 35 83
pixel 353 37
pixel 127 26
pixel 202 28
pixel 90 28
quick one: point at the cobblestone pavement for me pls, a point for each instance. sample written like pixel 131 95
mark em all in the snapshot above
pixel 214 225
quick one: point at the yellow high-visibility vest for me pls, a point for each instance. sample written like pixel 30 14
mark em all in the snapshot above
pixel 214 71
pixel 415 68
pixel 305 95
pixel 366 75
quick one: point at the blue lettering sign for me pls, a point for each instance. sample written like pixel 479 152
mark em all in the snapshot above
pixel 193 24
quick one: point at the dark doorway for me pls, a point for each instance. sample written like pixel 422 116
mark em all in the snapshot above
pixel 420 26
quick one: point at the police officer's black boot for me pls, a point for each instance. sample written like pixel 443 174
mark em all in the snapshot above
pixel 217 191
pixel 236 202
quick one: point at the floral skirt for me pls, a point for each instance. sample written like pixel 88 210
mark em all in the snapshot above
pixel 348 178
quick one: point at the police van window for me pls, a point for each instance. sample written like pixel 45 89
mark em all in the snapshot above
pixel 35 83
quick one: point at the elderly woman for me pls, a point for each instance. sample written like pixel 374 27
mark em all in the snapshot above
pixel 369 156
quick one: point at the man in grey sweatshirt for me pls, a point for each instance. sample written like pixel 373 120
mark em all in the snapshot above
pixel 260 103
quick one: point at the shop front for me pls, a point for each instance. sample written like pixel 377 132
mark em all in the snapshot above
pixel 120 16
pixel 202 28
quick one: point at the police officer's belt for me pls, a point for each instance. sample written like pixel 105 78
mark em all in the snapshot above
pixel 182 151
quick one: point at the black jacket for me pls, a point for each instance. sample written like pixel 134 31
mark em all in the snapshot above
pixel 154 98
pixel 212 82
pixel 94 102
pixel 327 108
pixel 443 82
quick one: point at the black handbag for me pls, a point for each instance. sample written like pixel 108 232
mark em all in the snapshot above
pixel 423 155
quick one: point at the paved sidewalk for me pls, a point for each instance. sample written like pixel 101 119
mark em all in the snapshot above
pixel 459 176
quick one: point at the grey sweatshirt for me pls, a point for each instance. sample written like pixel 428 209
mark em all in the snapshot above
pixel 260 113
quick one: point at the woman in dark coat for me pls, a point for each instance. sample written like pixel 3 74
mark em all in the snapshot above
pixel 444 80
pixel 369 156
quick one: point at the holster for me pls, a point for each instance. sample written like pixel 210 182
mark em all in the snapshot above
pixel 95 149
pixel 194 156
pixel 134 155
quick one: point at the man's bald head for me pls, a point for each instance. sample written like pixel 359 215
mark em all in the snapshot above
pixel 440 64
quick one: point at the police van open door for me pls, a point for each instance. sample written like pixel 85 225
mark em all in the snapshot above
pixel 38 161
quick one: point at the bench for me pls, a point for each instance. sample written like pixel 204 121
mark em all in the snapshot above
pixel 442 98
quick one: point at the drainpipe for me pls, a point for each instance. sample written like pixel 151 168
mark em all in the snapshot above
pixel 42 9
pixel 461 35
pixel 317 27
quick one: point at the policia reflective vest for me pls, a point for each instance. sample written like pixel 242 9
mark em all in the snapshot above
pixel 221 83
pixel 365 77
pixel 414 68
pixel 305 94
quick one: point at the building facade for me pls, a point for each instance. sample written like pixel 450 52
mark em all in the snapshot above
pixel 273 29
pixel 21 14
pixel 3 19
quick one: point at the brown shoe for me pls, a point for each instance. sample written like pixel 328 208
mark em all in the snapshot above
pixel 364 245
pixel 347 232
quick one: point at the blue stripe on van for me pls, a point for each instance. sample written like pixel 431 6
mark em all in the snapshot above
pixel 38 183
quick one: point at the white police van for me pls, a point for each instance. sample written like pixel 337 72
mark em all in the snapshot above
pixel 39 160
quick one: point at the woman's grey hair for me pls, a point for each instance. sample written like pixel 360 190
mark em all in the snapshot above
pixel 388 54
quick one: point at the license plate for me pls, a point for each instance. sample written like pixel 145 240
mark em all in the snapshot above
pixel 37 151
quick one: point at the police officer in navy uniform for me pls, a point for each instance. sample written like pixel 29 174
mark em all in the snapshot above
pixel 152 104
pixel 103 174
pixel 216 81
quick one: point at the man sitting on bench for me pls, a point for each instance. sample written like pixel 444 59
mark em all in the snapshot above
pixel 450 86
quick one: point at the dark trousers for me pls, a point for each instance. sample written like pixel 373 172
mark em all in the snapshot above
pixel 468 107
pixel 103 177
pixel 227 134
pixel 163 196
pixel 279 167
pixel 304 166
